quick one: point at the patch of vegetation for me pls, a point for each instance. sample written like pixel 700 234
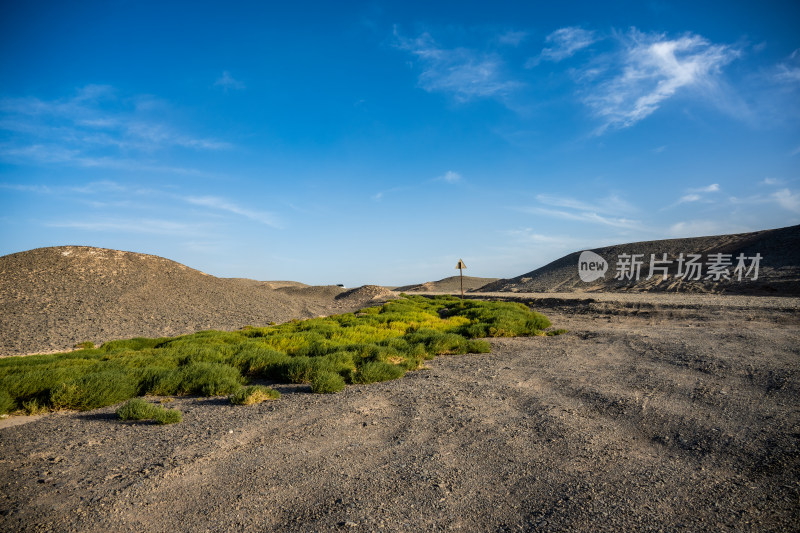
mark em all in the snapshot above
pixel 327 382
pixel 141 409
pixel 376 371
pixel 254 394
pixel 6 402
pixel 32 407
pixel 374 344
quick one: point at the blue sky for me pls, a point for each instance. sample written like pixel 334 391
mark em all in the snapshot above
pixel 374 142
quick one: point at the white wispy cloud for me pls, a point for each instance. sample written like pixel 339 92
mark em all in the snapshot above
pixel 450 177
pixel 698 228
pixel 222 204
pixel 93 187
pixel 610 204
pixel 228 82
pixel 787 199
pixel 512 37
pixel 610 211
pixel 564 43
pixel 714 187
pixel 531 236
pixel 463 73
pixel 41 189
pixel 788 71
pixel 136 226
pixel 586 216
pixel 695 194
pixel 653 69
pixel 94 127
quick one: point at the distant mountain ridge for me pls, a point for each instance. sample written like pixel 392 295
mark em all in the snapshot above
pixel 778 267
pixel 450 284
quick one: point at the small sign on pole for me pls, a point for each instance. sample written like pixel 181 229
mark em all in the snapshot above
pixel 461 266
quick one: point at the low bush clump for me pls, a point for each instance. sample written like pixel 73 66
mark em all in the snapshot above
pixel 254 394
pixel 6 402
pixel 377 371
pixel 91 391
pixel 327 382
pixel 375 344
pixel 140 409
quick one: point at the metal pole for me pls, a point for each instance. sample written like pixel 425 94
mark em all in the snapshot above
pixel 461 275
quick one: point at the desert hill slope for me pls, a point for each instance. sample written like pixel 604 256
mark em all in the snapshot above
pixel 53 298
pixel 778 274
pixel 450 284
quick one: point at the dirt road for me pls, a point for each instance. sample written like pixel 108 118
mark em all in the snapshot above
pixel 656 414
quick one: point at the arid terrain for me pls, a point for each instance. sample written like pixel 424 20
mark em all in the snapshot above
pixel 54 298
pixel 450 284
pixel 656 412
pixel 778 267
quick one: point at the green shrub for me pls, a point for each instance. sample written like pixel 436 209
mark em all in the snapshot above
pixel 136 409
pixel 32 407
pixel 141 409
pixel 326 382
pixel 254 394
pixel 478 346
pixel 299 369
pixel 207 379
pixel 94 390
pixel 167 416
pixel 377 371
pixel 254 358
pixel 6 402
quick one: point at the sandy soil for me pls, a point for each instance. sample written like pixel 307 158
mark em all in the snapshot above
pixel 657 413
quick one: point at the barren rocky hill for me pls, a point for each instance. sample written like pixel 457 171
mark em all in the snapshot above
pixel 53 298
pixel 778 267
pixel 453 283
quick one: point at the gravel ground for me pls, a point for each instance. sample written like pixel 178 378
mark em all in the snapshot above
pixel 649 415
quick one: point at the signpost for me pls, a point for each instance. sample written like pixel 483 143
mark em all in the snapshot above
pixel 461 266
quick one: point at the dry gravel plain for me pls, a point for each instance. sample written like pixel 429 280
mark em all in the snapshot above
pixel 654 413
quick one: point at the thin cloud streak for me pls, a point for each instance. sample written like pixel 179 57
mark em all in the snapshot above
pixel 565 42
pixel 609 205
pixel 228 82
pixel 460 72
pixel 450 177
pixel 787 199
pixel 714 187
pixel 222 204
pixel 137 226
pixel 585 216
pixel 92 128
pixel 695 194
